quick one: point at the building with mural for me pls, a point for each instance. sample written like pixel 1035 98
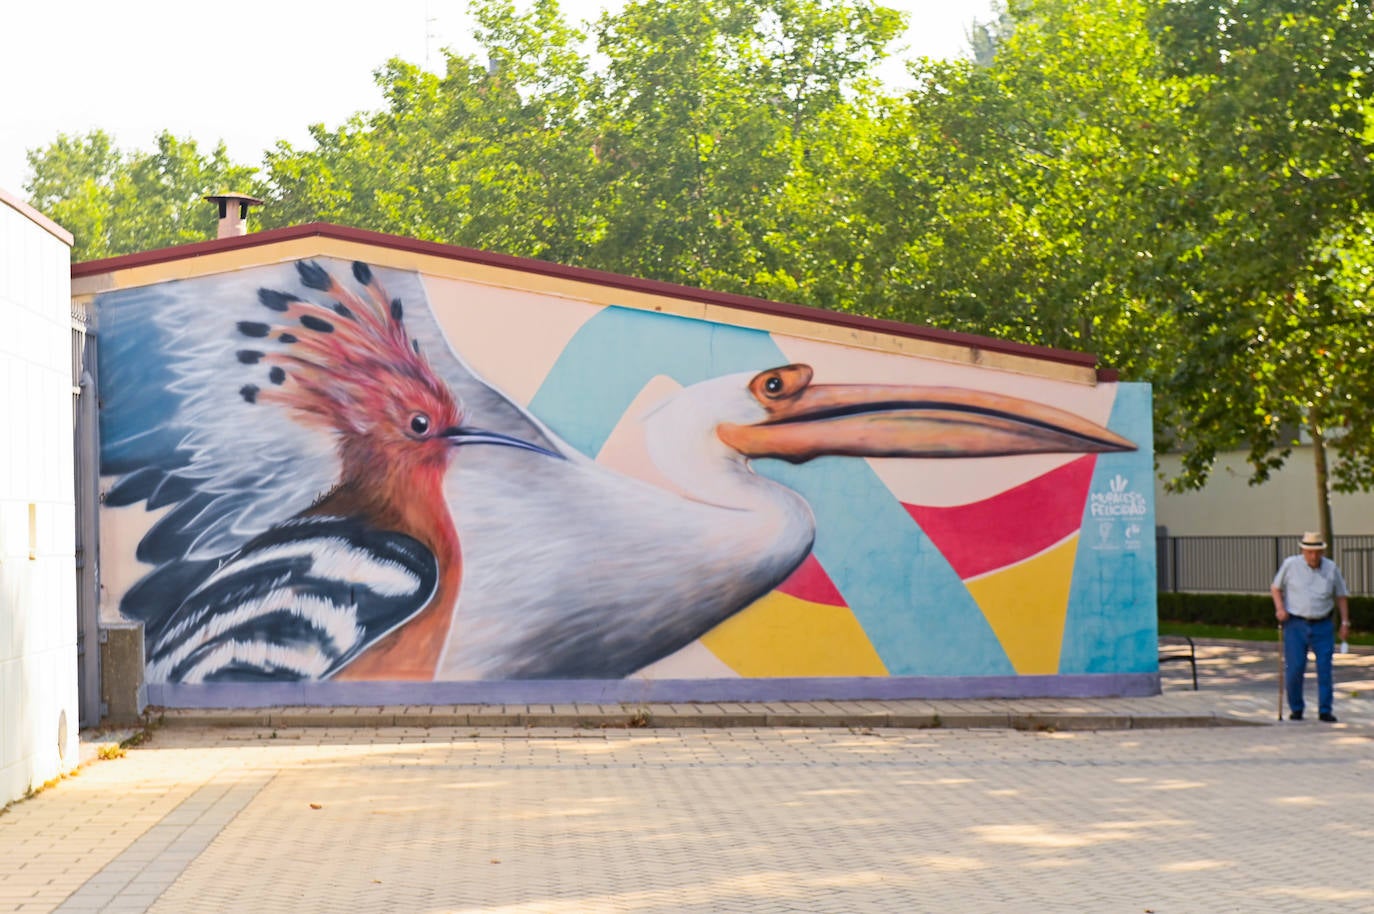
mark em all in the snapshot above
pixel 38 622
pixel 344 467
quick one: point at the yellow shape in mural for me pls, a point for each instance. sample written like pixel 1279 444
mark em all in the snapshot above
pixel 1026 605
pixel 780 635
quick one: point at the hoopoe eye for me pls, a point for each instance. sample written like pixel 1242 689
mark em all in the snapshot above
pixel 419 424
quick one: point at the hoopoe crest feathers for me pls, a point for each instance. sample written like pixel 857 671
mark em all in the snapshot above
pixel 349 365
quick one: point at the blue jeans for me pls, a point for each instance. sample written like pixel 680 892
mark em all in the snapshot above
pixel 1300 636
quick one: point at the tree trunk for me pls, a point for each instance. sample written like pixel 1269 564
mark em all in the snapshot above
pixel 1323 492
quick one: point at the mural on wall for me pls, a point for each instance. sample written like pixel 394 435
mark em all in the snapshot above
pixel 336 472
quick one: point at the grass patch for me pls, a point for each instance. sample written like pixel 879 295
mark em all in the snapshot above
pixel 1244 610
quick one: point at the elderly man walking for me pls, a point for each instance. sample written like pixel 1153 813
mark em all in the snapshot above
pixel 1305 590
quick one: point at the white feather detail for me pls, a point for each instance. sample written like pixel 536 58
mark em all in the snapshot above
pixel 338 623
pixel 309 664
pixel 333 559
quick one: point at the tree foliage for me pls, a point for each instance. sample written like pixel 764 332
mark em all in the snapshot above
pixel 493 154
pixel 1278 119
pixel 114 202
pixel 705 109
pixel 673 161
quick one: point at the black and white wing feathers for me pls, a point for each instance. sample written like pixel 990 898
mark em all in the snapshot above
pixel 298 602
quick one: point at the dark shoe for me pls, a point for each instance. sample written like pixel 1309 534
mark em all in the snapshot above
pixel 1296 715
pixel 1328 717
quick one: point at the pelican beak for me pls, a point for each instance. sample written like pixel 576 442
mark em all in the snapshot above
pixel 464 435
pixel 806 421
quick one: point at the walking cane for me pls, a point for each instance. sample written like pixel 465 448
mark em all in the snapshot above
pixel 1282 671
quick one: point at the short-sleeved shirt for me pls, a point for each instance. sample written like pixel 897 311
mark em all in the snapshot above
pixel 1310 592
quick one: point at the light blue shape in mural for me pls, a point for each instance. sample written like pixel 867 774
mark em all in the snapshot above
pixel 1111 624
pixel 610 359
pixel 917 613
pixel 136 383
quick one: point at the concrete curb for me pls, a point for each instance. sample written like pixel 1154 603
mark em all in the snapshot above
pixel 681 716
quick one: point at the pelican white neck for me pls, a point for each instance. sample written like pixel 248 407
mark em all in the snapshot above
pixel 680 435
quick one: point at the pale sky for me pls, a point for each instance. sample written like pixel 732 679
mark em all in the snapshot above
pixel 251 72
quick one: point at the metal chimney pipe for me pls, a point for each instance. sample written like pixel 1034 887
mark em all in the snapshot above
pixel 233 213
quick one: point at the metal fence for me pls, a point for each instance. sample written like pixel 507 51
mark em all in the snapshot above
pixel 1246 564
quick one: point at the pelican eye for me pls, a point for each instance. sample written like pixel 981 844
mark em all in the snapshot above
pixel 778 384
pixel 419 424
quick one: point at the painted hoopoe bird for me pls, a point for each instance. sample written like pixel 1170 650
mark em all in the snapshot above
pixel 362 584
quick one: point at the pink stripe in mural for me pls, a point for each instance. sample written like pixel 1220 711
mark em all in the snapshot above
pixel 810 582
pixel 986 535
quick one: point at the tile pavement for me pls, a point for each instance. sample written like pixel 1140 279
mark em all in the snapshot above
pixel 442 818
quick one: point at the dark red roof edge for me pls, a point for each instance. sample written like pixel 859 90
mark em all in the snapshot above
pixel 583 274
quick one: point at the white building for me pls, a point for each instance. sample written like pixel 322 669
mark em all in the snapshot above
pixel 1286 505
pixel 38 615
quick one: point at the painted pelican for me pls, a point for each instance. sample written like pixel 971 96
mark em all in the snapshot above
pixel 613 574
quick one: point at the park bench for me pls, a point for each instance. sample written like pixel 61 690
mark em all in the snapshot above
pixel 1175 651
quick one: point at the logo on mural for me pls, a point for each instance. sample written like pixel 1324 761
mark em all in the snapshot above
pixel 1118 501
pixel 334 494
pixel 1134 538
pixel 1104 533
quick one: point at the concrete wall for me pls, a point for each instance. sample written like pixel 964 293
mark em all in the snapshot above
pixel 306 499
pixel 38 678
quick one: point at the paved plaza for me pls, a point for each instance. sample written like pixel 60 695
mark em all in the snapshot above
pixel 455 819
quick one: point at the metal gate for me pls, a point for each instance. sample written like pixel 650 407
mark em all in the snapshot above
pixel 87 482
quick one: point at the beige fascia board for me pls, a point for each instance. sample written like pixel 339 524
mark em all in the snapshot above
pixel 576 290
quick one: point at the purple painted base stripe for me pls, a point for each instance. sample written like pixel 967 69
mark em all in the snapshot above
pixel 562 691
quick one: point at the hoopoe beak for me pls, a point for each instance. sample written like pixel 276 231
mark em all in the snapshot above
pixel 462 435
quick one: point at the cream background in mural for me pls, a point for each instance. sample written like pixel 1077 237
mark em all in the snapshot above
pixel 509 337
pixel 121 568
pixel 626 450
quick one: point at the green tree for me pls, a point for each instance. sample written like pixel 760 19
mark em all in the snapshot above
pixel 1263 272
pixel 706 118
pixel 491 154
pixel 115 202
pixel 985 38
pixel 1012 196
pixel 1179 186
pixel 676 161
